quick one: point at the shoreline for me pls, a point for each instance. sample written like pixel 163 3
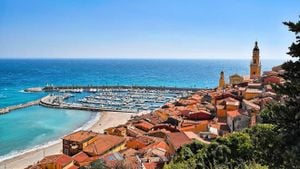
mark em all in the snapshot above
pixel 105 120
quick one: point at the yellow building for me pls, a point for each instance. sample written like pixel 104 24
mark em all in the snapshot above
pixel 252 93
pixel 222 81
pixel 255 66
pixel 236 79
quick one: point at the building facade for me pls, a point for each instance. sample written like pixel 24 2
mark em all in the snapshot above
pixel 236 79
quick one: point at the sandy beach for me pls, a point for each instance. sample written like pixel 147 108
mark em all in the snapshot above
pixel 107 119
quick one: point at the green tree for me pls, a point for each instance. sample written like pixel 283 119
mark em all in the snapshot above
pixel 265 144
pixel 286 113
pixel 236 148
pixel 254 165
pixel 98 164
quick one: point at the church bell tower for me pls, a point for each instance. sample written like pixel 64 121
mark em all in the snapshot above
pixel 222 80
pixel 255 66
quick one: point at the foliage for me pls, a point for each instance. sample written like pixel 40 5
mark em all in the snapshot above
pixel 253 165
pixel 230 151
pixel 286 114
pixel 98 164
pixel 265 143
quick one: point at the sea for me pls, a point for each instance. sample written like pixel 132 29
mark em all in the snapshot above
pixel 34 127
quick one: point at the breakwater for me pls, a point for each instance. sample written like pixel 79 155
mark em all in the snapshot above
pixel 19 106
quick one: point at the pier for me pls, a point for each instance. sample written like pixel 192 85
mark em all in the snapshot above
pixel 19 106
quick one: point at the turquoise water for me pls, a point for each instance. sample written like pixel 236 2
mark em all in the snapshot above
pixel 26 128
pixel 32 126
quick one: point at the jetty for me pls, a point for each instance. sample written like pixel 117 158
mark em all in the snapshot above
pixel 19 106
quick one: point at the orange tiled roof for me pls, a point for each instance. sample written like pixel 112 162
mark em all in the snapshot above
pixel 194 136
pixel 103 144
pixel 157 145
pixel 152 165
pixel 144 125
pixel 80 136
pixel 178 139
pixel 251 105
pixel 61 159
pixel 128 152
pixel 113 159
pixel 80 157
pixel 144 139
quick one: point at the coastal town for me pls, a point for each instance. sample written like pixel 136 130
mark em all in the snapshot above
pixel 150 140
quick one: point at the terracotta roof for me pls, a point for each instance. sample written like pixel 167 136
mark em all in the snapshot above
pixel 112 159
pixel 144 125
pixel 158 131
pixel 178 139
pixel 143 139
pixel 61 159
pixel 103 144
pixel 80 157
pixel 152 118
pixel 251 105
pixel 152 165
pixel 80 136
pixel 131 130
pixel 157 145
pixel 133 162
pixel 232 101
pixel 128 152
pixel 194 136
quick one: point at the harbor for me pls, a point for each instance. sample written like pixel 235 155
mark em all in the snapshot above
pixel 131 99
pixel 119 99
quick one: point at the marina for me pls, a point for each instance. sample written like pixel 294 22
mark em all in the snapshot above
pixel 118 99
pixel 131 99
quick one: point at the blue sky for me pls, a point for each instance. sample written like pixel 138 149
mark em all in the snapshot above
pixel 193 29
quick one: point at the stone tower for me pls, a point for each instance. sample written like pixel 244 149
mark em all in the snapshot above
pixel 222 80
pixel 255 66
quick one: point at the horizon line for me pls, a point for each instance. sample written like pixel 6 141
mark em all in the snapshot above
pixel 133 58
